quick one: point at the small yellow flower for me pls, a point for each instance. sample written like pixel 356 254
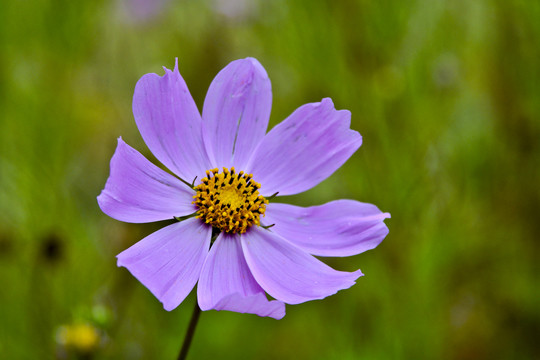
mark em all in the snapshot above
pixel 81 337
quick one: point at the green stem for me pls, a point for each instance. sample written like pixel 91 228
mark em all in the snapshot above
pixel 190 331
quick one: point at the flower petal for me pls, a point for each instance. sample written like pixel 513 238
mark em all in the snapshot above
pixel 169 261
pixel 288 273
pixel 137 191
pixel 170 123
pixel 227 284
pixel 236 112
pixel 304 149
pixel 252 304
pixel 338 228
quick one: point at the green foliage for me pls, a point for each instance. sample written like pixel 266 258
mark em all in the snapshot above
pixel 445 94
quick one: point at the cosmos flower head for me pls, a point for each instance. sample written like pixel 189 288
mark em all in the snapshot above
pixel 248 253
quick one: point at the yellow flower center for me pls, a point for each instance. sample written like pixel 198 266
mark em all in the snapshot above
pixel 229 201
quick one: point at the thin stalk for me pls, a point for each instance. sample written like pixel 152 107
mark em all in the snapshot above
pixel 190 331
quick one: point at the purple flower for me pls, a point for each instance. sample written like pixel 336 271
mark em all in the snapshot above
pixel 233 167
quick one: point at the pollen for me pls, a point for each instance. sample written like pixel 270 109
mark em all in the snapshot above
pixel 229 201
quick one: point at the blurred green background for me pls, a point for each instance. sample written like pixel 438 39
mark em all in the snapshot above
pixel 444 92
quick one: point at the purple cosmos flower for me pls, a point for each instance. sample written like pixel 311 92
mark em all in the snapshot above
pixel 233 167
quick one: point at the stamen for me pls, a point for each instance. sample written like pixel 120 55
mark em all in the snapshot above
pixel 229 201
